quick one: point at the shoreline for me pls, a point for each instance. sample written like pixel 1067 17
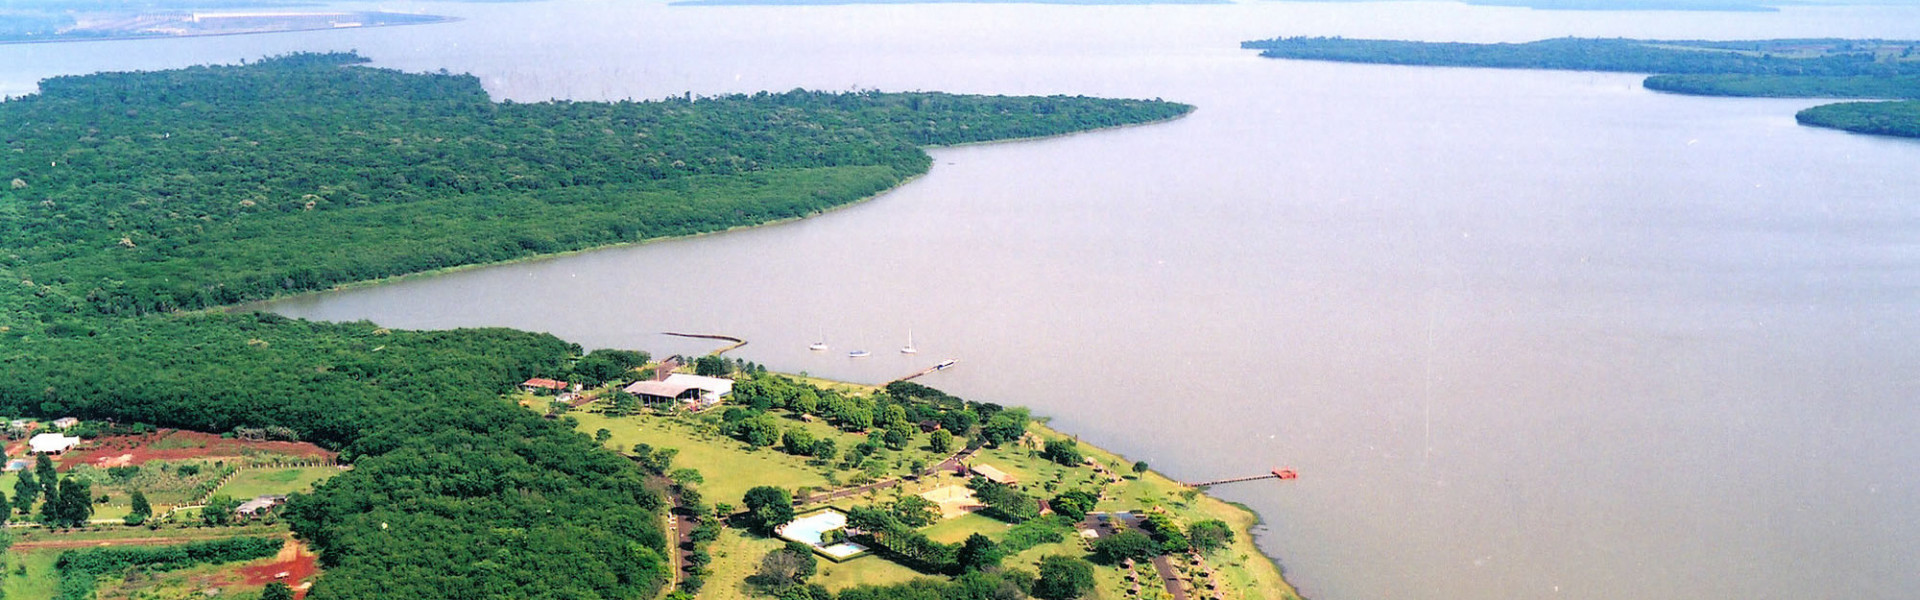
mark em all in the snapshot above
pixel 1246 529
pixel 259 305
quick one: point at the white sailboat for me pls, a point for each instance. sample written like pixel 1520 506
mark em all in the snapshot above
pixel 909 349
pixel 820 346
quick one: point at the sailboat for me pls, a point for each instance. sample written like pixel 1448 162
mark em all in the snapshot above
pixel 909 349
pixel 820 346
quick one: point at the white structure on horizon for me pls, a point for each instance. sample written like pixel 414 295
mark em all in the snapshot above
pixel 52 443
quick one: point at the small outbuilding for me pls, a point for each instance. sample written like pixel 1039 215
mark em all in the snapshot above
pixel 259 506
pixel 52 443
pixel 993 474
pixel 540 384
pixel 65 423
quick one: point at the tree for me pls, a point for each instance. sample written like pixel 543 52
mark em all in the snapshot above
pixel 1139 467
pixel 217 511
pixel 978 553
pixel 798 442
pixel 940 441
pixel 915 511
pixel 24 491
pixel 824 449
pixel 1063 578
pixel 607 364
pixel 769 507
pixel 277 591
pixel 898 435
pixel 1074 504
pixel 1005 426
pixel 49 479
pixel 72 504
pixel 1063 452
pixel 1124 545
pixel 684 477
pixel 1207 536
pixel 711 366
pixel 601 436
pixel 141 509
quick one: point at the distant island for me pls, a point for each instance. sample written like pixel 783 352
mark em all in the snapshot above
pixel 1785 68
pixel 40 27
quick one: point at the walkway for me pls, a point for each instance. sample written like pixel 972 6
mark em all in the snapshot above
pixel 1163 564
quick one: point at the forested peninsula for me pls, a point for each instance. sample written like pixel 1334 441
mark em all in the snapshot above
pixel 1787 68
pixel 132 200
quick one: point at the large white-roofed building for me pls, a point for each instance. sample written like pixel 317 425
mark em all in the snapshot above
pixel 698 392
pixel 52 443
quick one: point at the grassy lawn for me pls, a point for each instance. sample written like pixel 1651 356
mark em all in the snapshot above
pixel 736 556
pixel 253 483
pixel 957 529
pixel 865 570
pixel 39 578
pixel 728 466
pixel 731 467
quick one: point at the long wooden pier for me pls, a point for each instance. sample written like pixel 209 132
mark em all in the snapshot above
pixel 944 365
pixel 737 342
pixel 1274 474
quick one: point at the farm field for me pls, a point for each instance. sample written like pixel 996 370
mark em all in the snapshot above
pixel 252 483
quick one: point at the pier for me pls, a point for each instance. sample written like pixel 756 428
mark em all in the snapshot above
pixel 944 365
pixel 1274 474
pixel 737 342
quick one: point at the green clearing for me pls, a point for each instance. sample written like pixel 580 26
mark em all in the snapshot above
pixel 731 467
pixel 728 465
pixel 252 483
pixel 736 556
pixel 30 574
pixel 865 570
pixel 956 530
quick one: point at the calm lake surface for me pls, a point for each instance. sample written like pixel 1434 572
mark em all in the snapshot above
pixel 1524 334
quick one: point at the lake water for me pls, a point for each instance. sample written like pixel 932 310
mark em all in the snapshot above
pixel 1524 334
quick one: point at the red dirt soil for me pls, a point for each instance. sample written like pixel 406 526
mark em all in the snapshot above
pixel 295 560
pixel 126 450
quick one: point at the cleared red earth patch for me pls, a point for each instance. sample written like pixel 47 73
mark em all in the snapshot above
pixel 294 566
pixel 177 444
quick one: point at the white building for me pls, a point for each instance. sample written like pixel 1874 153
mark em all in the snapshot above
pixel 697 391
pixel 52 443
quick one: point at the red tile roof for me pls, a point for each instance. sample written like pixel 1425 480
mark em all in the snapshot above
pixel 544 383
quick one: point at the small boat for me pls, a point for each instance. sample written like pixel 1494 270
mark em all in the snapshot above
pixel 944 364
pixel 909 349
pixel 820 346
pixel 859 354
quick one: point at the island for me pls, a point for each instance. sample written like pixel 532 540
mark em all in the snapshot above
pixel 189 441
pixel 1786 68
pixel 118 23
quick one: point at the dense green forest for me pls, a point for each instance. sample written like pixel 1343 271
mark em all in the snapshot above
pixel 1823 57
pixel 1806 86
pixel 1790 68
pixel 135 196
pixel 1879 118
